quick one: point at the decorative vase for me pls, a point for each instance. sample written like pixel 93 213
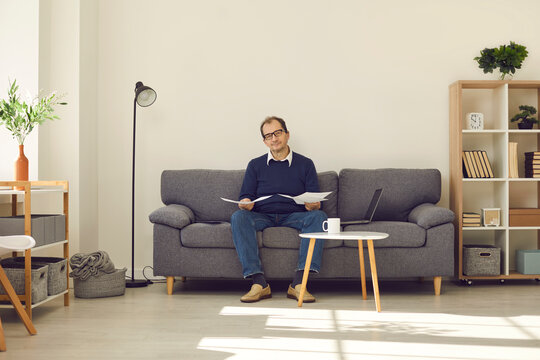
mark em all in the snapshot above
pixel 21 168
pixel 525 125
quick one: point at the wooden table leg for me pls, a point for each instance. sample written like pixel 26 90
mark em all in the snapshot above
pixel 306 271
pixel 362 268
pixel 374 275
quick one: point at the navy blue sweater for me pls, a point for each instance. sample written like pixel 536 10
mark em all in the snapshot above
pixel 278 178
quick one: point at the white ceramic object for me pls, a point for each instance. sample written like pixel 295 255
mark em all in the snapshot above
pixel 15 243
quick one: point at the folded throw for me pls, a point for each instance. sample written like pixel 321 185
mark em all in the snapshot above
pixel 85 265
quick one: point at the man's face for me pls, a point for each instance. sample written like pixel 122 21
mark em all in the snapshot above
pixel 277 142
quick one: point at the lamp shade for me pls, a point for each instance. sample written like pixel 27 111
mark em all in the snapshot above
pixel 144 95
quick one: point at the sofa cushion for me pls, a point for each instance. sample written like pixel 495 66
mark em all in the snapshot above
pixel 404 189
pixel 173 215
pixel 204 235
pixel 429 215
pixel 201 190
pixel 328 181
pixel 287 238
pixel 400 234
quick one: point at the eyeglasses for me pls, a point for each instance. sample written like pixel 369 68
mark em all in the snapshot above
pixel 276 133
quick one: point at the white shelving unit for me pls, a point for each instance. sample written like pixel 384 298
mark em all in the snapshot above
pixel 498 101
pixel 32 188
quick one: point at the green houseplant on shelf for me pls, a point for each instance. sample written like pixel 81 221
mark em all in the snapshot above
pixel 524 118
pixel 21 117
pixel 507 58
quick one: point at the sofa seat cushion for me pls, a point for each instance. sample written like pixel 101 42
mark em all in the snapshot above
pixel 209 235
pixel 287 238
pixel 400 234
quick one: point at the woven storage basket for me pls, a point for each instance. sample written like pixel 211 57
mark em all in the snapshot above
pixel 15 273
pixel 479 260
pixel 104 285
pixel 57 274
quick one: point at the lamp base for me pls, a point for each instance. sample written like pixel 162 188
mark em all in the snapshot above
pixel 134 283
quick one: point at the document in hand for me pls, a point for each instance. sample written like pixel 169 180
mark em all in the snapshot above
pixel 308 197
pixel 247 202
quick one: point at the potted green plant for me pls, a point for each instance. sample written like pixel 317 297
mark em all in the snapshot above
pixel 524 118
pixel 21 117
pixel 507 58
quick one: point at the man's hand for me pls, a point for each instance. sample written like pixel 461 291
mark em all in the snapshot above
pixel 247 207
pixel 313 206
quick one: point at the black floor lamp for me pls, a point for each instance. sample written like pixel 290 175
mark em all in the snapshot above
pixel 144 96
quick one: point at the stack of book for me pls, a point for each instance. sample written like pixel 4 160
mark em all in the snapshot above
pixel 512 160
pixel 471 219
pixel 476 164
pixel 532 164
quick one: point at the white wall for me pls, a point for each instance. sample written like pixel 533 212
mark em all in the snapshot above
pixel 19 36
pixel 59 141
pixel 88 121
pixel 361 84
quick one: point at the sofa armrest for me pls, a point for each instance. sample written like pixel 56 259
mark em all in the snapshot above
pixel 173 215
pixel 428 215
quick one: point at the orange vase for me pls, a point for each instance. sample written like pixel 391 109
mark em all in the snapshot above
pixel 21 167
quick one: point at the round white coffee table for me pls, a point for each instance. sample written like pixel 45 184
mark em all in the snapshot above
pixel 347 235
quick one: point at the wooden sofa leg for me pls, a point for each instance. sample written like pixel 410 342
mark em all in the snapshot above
pixel 437 280
pixel 170 285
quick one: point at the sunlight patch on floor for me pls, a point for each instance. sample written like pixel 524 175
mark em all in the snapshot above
pixel 368 334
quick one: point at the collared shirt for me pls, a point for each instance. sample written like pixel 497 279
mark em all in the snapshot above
pixel 271 157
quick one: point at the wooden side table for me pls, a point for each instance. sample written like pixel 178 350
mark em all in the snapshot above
pixel 359 236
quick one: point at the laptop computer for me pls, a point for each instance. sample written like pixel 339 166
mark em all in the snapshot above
pixel 370 210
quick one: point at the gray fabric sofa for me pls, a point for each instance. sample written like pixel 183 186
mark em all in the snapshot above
pixel 192 234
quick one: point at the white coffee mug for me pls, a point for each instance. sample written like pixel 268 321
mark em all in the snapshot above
pixel 332 225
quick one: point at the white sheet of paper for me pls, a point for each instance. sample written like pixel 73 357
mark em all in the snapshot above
pixel 247 202
pixel 308 197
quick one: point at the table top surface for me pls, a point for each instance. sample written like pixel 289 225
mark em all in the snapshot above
pixel 346 235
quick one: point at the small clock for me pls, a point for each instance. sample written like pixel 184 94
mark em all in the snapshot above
pixel 475 121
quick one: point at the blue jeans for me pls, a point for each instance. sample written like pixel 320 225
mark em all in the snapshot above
pixel 245 224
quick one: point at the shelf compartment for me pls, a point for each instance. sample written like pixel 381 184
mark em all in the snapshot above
pixel 517 97
pixel 494 143
pixel 522 238
pixel 495 236
pixel 489 101
pixel 486 194
pixel 526 142
pixel 523 194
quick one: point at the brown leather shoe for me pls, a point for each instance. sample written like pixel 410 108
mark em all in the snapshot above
pixel 257 293
pixel 295 294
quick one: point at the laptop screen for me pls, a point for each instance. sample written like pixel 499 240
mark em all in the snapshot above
pixel 373 204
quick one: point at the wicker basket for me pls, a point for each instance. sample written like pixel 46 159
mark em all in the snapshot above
pixel 15 273
pixel 104 285
pixel 480 260
pixel 57 276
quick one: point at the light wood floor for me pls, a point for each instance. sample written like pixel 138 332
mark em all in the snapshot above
pixel 206 320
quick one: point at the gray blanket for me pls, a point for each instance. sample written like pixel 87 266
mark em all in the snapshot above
pixel 85 265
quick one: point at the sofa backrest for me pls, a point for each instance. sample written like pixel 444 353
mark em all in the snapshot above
pixel 404 189
pixel 201 190
pixel 328 181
